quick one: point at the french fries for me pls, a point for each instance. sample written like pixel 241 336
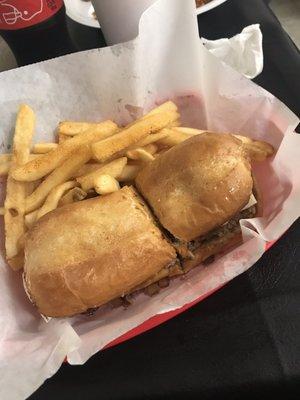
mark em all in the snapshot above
pixel 135 154
pixel 5 158
pixel 166 107
pixel 189 131
pixel 114 169
pixel 105 184
pixel 140 154
pixel 63 138
pixel 175 124
pixel 24 130
pixel 71 128
pixel 87 169
pixel 16 191
pixel 107 148
pixel 257 150
pixel 42 148
pixel 4 168
pixel 8 157
pixel 46 163
pixel 2 210
pixel 73 195
pixel 54 197
pixel 6 165
pixel 31 218
pixel 129 173
pixel 58 176
pixel 31 186
pixel 14 216
pixel 173 137
pixel 155 137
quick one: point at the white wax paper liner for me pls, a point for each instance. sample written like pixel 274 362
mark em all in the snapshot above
pixel 167 60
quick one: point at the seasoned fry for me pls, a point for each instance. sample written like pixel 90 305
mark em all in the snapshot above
pixel 2 210
pixel 151 148
pixel 72 128
pixel 105 184
pixel 30 219
pixel 173 137
pixel 42 148
pixel 60 175
pixel 135 154
pixel 177 135
pixel 34 157
pixel 155 137
pixel 73 195
pixel 31 186
pixel 87 169
pixel 168 106
pixel 107 148
pixel 114 169
pixel 4 168
pixel 175 124
pixel 132 154
pixel 24 130
pixel 14 216
pixel 46 163
pixel 140 154
pixel 54 196
pixel 257 150
pixel 190 131
pixel 144 155
pixel 16 191
pixel 244 139
pixel 63 138
pixel 5 158
pixel 266 147
pixel 129 173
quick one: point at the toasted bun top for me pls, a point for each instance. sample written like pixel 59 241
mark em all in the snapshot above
pixel 83 255
pixel 197 185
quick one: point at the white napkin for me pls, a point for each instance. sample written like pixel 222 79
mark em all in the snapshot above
pixel 242 52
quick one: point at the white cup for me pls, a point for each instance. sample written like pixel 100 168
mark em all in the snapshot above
pixel 119 19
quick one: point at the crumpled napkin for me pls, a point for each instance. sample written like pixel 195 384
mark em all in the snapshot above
pixel 242 52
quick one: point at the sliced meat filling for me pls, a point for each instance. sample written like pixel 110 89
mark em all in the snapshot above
pixel 186 249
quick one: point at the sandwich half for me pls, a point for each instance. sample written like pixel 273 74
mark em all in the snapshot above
pixel 83 255
pixel 199 190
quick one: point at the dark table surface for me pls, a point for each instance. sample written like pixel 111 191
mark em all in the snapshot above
pixel 242 342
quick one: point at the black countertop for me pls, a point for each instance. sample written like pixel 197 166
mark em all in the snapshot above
pixel 242 342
